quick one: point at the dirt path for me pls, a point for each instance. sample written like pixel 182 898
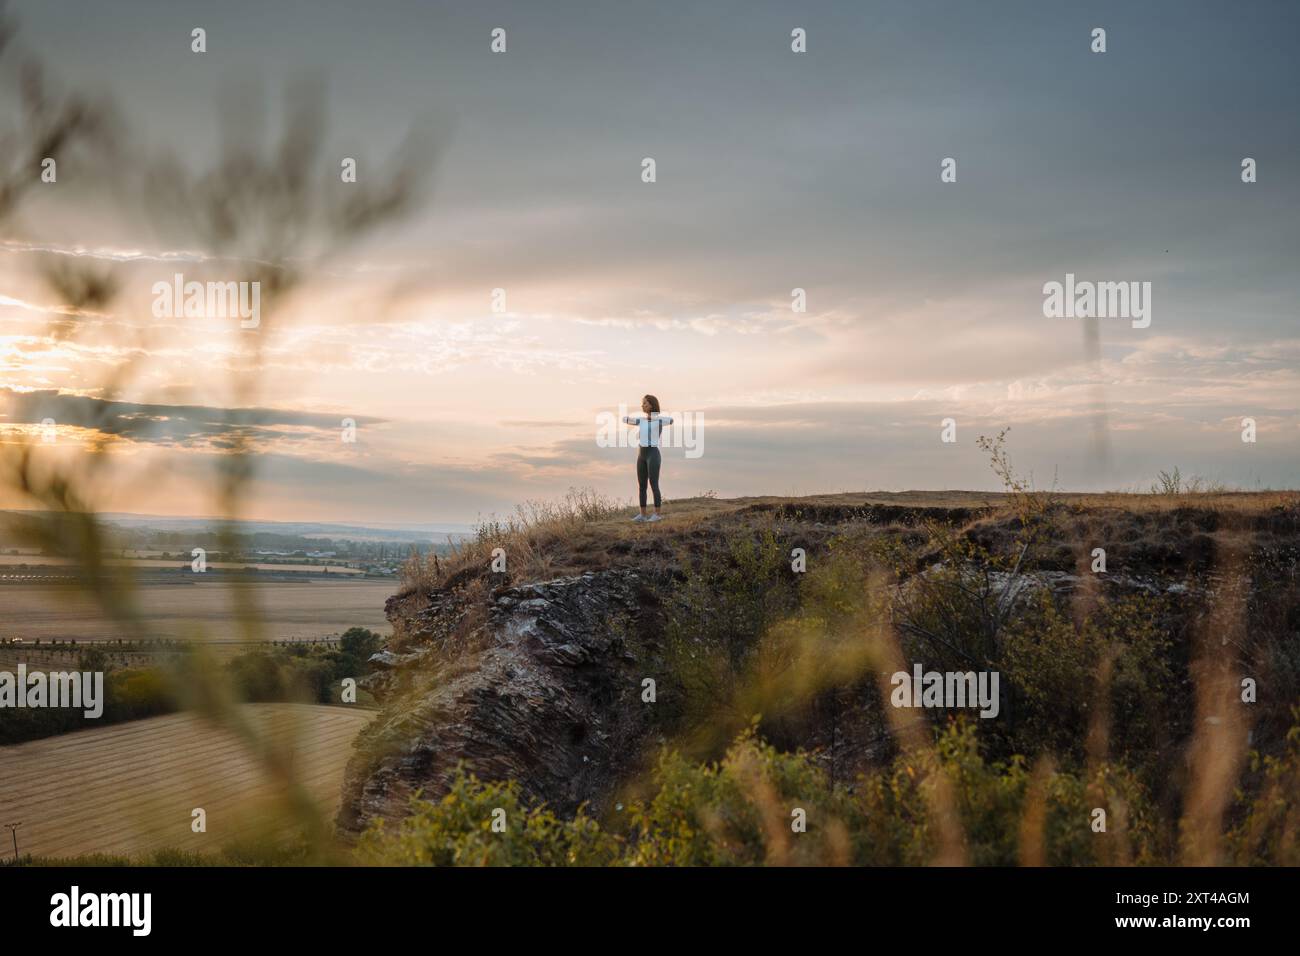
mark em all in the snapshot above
pixel 130 788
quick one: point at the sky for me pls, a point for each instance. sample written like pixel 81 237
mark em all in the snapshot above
pixel 774 171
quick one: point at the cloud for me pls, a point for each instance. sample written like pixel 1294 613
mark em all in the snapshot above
pixel 530 423
pixel 160 424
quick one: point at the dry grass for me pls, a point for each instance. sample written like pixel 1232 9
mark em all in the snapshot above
pixel 523 542
pixel 585 531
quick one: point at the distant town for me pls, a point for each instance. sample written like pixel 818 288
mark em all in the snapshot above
pixel 35 545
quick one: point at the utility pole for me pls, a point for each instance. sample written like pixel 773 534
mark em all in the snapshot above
pixel 13 829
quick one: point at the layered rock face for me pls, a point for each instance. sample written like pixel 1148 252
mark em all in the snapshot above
pixel 546 691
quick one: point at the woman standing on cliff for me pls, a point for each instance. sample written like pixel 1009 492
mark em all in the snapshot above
pixel 649 429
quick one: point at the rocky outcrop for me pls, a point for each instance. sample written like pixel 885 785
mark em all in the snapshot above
pixel 545 691
pixel 540 683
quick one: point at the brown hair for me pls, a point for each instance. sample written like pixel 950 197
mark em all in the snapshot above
pixel 653 402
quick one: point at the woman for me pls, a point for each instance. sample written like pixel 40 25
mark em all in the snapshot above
pixel 649 428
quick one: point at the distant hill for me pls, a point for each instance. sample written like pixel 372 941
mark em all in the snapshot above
pixel 382 531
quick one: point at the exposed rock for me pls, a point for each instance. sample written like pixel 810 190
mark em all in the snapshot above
pixel 383 660
pixel 546 692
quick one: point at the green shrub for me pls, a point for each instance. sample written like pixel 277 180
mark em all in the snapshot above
pixel 992 801
pixel 713 621
pixel 1268 828
pixel 301 673
pixel 743 810
pixel 129 694
pixel 1054 670
pixel 458 831
pixel 357 645
pixel 739 811
pixel 257 677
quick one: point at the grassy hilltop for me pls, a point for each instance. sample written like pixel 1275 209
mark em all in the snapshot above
pixel 1160 690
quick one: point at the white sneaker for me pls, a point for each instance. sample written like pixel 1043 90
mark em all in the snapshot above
pixel 640 518
pixel 655 518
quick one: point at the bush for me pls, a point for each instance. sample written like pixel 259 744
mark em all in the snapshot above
pixel 302 673
pixel 129 694
pixel 357 645
pixel 743 810
pixel 458 831
pixel 1055 669
pixel 715 618
pixel 996 804
pixel 740 812
pixel 1268 830
pixel 256 677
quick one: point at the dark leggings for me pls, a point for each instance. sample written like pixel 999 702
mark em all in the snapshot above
pixel 647 467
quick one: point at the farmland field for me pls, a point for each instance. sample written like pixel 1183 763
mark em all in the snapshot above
pixel 195 611
pixel 130 788
pixel 9 562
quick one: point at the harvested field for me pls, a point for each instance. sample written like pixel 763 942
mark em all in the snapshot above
pixel 195 611
pixel 130 788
